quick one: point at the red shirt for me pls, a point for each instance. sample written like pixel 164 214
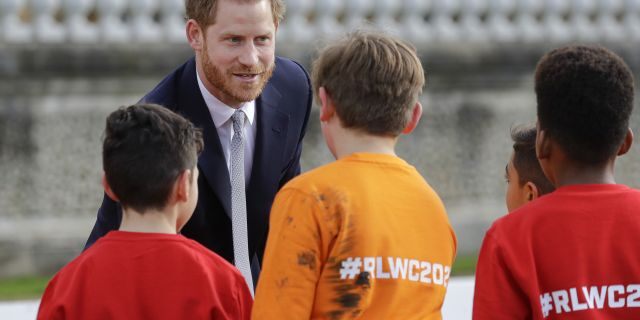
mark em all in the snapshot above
pixel 572 254
pixel 129 275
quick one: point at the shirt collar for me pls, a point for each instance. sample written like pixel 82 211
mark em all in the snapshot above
pixel 220 112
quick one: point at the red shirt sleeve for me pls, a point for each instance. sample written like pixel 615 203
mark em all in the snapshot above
pixel 244 300
pixel 497 293
pixel 49 309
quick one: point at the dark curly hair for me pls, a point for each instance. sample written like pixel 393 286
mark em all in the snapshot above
pixel 146 148
pixel 585 98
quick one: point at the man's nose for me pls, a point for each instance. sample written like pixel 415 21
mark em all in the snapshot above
pixel 249 55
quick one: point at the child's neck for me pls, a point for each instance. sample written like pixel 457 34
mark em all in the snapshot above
pixel 151 221
pixel 584 174
pixel 350 142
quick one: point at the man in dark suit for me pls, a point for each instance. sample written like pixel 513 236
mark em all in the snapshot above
pixel 253 107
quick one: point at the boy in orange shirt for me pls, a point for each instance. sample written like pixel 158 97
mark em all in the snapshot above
pixel 146 270
pixel 525 179
pixel 365 236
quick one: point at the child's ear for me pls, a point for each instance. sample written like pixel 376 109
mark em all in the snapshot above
pixel 531 191
pixel 183 186
pixel 543 144
pixel 626 143
pixel 327 109
pixel 416 113
pixel 107 188
pixel 195 35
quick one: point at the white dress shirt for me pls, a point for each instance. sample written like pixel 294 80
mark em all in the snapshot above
pixel 221 115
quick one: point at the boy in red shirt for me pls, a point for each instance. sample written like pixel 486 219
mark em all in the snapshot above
pixel 525 179
pixel 574 253
pixel 146 270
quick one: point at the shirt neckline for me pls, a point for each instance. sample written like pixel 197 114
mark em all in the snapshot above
pixel 220 112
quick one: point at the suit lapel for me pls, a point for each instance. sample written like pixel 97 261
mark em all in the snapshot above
pixel 211 162
pixel 272 125
pixel 265 174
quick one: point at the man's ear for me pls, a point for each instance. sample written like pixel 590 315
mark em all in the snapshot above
pixel 626 143
pixel 416 113
pixel 107 188
pixel 182 186
pixel 327 108
pixel 195 35
pixel 531 191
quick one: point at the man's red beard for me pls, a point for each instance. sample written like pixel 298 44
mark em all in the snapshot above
pixel 223 81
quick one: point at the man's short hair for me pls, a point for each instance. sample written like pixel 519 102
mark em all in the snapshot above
pixel 146 148
pixel 585 98
pixel 525 161
pixel 373 79
pixel 204 11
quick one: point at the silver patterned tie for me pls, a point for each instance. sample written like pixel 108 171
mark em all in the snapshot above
pixel 239 202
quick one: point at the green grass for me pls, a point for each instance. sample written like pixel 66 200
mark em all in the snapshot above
pixel 464 265
pixel 23 288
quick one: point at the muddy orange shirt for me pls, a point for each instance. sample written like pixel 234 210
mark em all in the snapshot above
pixel 363 237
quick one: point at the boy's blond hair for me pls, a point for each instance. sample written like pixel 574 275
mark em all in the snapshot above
pixel 373 79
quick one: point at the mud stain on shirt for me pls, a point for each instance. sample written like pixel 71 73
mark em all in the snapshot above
pixel 349 300
pixel 282 282
pixel 307 258
pixel 363 279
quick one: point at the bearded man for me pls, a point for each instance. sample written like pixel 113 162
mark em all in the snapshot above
pixel 253 108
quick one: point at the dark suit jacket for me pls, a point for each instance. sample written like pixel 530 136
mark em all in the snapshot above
pixel 282 112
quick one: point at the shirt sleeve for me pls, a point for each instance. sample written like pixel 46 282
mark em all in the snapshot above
pixel 47 309
pixel 244 300
pixel 497 294
pixel 293 258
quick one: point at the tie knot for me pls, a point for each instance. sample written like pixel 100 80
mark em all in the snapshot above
pixel 238 121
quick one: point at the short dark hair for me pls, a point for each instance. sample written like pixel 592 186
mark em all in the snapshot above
pixel 585 98
pixel 146 147
pixel 374 80
pixel 525 161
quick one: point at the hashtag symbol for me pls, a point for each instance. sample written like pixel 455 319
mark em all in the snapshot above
pixel 545 301
pixel 350 268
